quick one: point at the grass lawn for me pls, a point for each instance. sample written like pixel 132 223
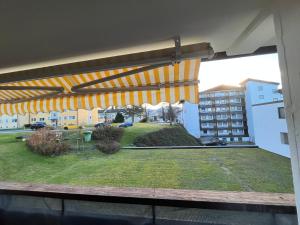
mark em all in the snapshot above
pixel 215 169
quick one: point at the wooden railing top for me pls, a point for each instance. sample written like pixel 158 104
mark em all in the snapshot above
pixel 86 193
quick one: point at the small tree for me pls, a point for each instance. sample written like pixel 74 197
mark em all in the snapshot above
pixel 134 111
pixel 119 118
pixel 172 113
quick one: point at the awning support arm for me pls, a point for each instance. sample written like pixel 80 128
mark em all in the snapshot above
pixel 176 58
pixel 79 88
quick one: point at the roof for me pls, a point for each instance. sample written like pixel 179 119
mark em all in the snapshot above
pixel 223 87
pixel 90 31
pixel 257 80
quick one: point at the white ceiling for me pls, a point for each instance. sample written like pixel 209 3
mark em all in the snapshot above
pixel 36 33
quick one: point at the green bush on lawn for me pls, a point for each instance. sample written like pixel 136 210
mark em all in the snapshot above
pixel 108 134
pixel 175 136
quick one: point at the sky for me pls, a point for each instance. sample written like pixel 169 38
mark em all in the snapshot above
pixel 233 71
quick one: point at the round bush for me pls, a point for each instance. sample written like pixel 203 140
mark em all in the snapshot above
pixel 108 147
pixel 108 134
pixel 46 142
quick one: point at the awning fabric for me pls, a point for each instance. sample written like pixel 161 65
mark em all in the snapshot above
pixel 183 74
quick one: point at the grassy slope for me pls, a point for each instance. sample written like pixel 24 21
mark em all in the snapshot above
pixel 137 130
pixel 226 169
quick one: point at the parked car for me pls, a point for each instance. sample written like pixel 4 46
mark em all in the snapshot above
pixel 72 126
pixel 126 124
pixel 38 125
pixel 102 124
pixel 216 142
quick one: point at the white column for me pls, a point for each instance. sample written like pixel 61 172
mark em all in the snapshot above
pixel 287 26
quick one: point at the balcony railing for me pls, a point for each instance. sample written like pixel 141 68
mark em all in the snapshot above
pixel 237 125
pixel 237 117
pixel 238 133
pixel 207 118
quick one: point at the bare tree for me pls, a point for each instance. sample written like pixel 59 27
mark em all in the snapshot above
pixel 134 110
pixel 172 113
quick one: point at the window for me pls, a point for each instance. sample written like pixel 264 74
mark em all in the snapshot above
pixel 281 113
pixel 284 138
pixel 72 117
pixel 261 97
pixel 42 119
pixel 260 88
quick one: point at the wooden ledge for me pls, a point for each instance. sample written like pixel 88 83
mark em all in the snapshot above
pixel 154 196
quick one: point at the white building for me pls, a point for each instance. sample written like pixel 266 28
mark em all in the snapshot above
pixel 270 127
pixel 8 122
pixel 190 118
pixel 257 92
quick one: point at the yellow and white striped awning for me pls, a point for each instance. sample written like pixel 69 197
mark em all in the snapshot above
pixel 172 83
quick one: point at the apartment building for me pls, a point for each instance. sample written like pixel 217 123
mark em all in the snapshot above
pixel 258 92
pixel 272 133
pixel 223 113
pixel 56 119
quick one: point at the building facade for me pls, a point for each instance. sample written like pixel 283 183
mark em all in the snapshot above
pixel 257 92
pixel 55 119
pixel 223 113
pixel 270 127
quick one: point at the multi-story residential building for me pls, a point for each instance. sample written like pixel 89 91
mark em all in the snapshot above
pixel 56 119
pixel 223 114
pixel 272 133
pixel 258 92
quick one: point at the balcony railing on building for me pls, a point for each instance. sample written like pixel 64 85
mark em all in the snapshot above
pixel 207 118
pixel 237 117
pixel 241 124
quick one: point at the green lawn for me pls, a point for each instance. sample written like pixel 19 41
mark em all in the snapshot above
pixel 215 169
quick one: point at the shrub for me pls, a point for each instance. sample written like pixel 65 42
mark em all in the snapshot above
pixel 119 118
pixel 108 134
pixel 45 142
pixel 26 126
pixel 108 147
pixel 175 136
pixel 144 120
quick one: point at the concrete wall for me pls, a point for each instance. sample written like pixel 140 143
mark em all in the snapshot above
pixel 286 19
pixel 190 117
pixel 267 128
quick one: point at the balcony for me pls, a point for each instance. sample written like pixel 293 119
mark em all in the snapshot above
pixel 234 109
pixel 35 204
pixel 208 127
pixel 208 134
pixel 222 125
pixel 237 117
pixel 237 125
pixel 222 117
pixel 206 118
pixel 238 132
pixel 206 111
pixel 222 110
pixel 223 133
pixel 221 102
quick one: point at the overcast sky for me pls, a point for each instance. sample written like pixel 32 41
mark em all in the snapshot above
pixel 233 71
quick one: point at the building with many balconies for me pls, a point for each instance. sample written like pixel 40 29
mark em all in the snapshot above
pixel 223 113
